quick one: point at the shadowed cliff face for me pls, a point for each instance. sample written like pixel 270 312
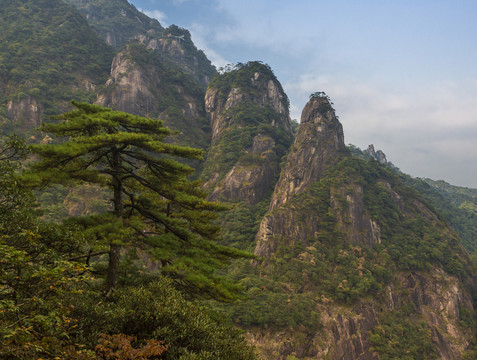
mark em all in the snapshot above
pixel 249 118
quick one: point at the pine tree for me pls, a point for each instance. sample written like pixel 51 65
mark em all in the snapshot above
pixel 155 206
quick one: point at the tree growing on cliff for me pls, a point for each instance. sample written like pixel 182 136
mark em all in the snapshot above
pixel 155 206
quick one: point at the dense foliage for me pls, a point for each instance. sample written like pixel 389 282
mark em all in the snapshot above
pixel 457 205
pixel 402 337
pixel 116 17
pixel 52 303
pixel 48 52
pixel 154 206
pixel 302 276
pixel 35 274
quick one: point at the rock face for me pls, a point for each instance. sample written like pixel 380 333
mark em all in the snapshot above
pixel 249 118
pixel 141 84
pixel 129 85
pixel 324 200
pixel 249 182
pixel 120 23
pixel 25 113
pixel 378 155
pixel 345 333
pixel 319 145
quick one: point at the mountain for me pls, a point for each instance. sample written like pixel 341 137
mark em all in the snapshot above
pixel 354 259
pixel 119 23
pixel 248 113
pixel 458 205
pixel 48 55
pixel 142 84
pixel 366 249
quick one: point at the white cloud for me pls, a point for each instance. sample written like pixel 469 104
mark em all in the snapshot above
pixel 200 34
pixel 156 14
pixel 281 28
pixel 427 131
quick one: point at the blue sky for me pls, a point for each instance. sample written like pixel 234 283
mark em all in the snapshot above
pixel 402 74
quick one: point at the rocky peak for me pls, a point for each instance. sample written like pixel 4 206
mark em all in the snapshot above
pixel 249 117
pixel 118 22
pixel 252 84
pixel 378 155
pixel 319 144
pixel 332 205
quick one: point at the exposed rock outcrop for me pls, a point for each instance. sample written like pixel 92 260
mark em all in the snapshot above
pixel 141 84
pixel 118 22
pixel 128 86
pixel 25 113
pixel 319 145
pixel 253 177
pixel 251 131
pixel 322 201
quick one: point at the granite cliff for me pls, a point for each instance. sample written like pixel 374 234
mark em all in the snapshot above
pixel 141 83
pixel 351 262
pixel 251 131
pixel 372 255
pixel 118 23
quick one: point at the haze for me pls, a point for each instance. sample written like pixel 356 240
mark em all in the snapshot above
pixel 402 75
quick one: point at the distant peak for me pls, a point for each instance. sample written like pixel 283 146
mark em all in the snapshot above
pixel 319 105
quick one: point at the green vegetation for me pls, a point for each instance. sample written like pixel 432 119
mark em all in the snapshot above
pixel 52 302
pixel 455 204
pixel 48 52
pixel 116 17
pixel 286 291
pixel 155 207
pixel 240 76
pixel 119 23
pixel 415 238
pixel 402 337
pixel 235 143
pixel 245 120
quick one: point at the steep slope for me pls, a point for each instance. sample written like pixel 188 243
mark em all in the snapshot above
pixel 48 55
pixel 251 131
pixel 142 84
pixel 458 205
pixel 354 265
pixel 119 23
pixel 461 197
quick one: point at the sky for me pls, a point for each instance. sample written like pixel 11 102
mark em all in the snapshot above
pixel 402 74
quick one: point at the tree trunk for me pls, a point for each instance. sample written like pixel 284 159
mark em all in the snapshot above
pixel 113 268
pixel 115 249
